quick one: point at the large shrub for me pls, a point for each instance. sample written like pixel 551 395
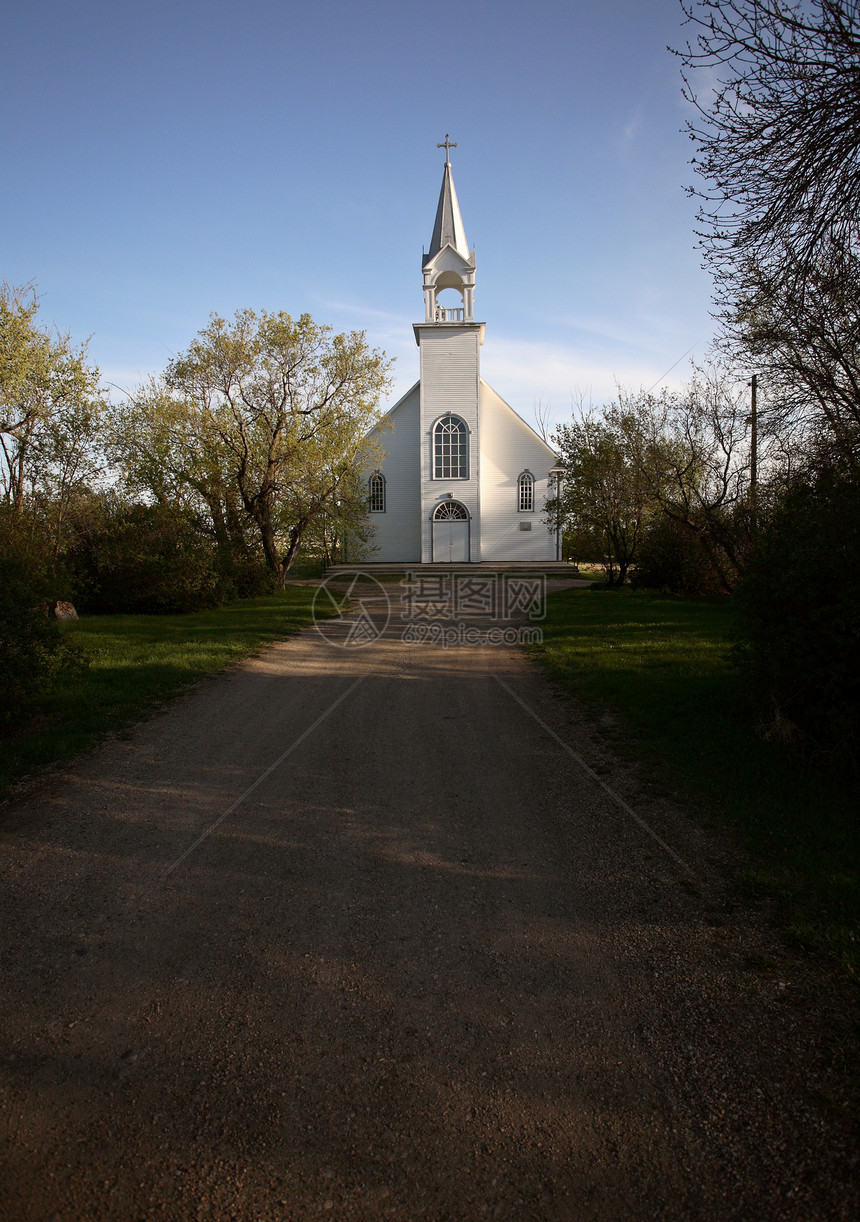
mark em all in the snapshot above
pixel 242 573
pixel 33 645
pixel 671 557
pixel 144 559
pixel 799 614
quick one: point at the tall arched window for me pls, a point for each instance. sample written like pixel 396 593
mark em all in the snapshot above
pixel 450 448
pixel 526 492
pixel 376 493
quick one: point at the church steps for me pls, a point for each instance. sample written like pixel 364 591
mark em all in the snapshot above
pixel 550 568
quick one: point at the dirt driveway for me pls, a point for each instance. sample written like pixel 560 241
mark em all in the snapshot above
pixel 351 933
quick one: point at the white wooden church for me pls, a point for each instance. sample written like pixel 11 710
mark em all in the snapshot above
pixel 465 479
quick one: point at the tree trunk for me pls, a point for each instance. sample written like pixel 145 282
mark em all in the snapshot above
pixel 286 563
pixel 270 551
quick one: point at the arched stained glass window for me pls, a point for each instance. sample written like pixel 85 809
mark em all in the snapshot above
pixel 450 448
pixel 376 493
pixel 526 492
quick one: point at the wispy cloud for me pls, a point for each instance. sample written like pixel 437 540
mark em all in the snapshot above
pixel 123 379
pixel 632 128
pixel 639 333
pixel 361 310
pixel 524 372
pixel 603 352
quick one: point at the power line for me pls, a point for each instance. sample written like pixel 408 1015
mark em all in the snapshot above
pixel 671 367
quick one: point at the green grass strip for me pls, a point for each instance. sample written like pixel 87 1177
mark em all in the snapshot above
pixel 134 663
pixel 661 666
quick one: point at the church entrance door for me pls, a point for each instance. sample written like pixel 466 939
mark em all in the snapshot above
pixel 451 533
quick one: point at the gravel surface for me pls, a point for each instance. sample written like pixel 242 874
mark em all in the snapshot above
pixel 422 966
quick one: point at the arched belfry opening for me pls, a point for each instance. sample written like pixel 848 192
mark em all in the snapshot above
pixel 449 298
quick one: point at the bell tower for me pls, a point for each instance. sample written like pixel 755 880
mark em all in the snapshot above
pixel 449 264
pixel 449 342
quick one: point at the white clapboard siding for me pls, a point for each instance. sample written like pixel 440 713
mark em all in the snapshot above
pixel 509 447
pixel 450 380
pixel 397 532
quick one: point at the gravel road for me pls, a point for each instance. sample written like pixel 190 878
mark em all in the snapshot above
pixel 352 933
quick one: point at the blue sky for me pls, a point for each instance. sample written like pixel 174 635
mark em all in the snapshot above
pixel 165 160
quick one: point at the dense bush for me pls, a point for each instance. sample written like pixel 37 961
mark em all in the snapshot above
pixel 144 559
pixel 583 546
pixel 798 611
pixel 671 557
pixel 243 574
pixel 33 645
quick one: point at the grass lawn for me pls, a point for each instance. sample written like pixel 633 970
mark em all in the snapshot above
pixel 662 666
pixel 134 663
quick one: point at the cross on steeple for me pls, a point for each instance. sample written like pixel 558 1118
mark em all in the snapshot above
pixel 447 146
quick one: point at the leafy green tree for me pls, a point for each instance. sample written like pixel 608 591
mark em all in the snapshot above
pixel 604 499
pixel 672 558
pixel 164 453
pixel 647 469
pixel 279 411
pixel 50 412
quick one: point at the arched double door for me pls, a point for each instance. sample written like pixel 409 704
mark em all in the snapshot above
pixel 451 533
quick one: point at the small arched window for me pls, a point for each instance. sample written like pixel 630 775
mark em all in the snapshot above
pixel 376 493
pixel 450 448
pixel 526 493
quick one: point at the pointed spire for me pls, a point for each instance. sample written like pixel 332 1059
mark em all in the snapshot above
pixel 449 223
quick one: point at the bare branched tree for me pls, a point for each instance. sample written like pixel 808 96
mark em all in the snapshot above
pixel 542 413
pixel 778 135
pixel 804 340
pixel 778 142
pixel 691 450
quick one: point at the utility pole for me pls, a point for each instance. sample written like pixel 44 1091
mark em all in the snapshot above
pixel 753 440
pixel 753 419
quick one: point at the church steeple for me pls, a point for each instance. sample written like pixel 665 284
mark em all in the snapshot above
pixel 448 264
pixel 448 229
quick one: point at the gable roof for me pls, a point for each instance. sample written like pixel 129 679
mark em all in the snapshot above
pixel 411 391
pixel 524 423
